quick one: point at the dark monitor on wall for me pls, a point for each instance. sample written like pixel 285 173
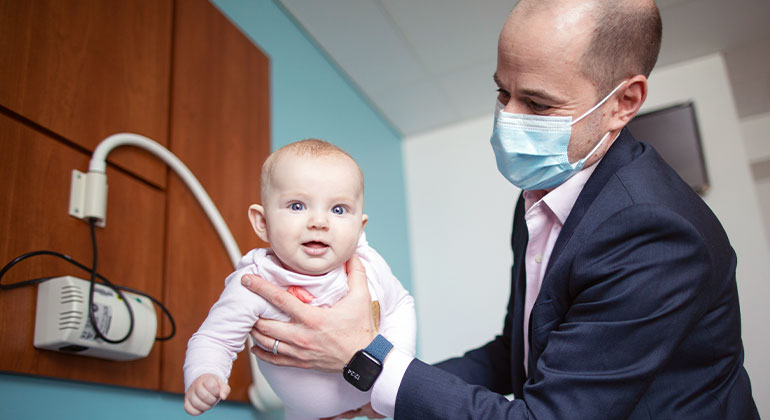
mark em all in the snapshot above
pixel 673 132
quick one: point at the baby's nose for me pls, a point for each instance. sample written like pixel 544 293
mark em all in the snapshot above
pixel 318 220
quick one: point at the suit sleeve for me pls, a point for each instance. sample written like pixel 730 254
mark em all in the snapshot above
pixel 637 284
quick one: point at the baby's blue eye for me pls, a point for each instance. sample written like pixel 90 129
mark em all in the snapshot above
pixel 339 210
pixel 297 206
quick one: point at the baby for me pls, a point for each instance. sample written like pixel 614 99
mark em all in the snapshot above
pixel 312 196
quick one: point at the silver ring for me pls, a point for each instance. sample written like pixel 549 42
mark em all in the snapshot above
pixel 275 346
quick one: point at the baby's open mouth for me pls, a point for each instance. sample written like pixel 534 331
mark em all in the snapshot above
pixel 315 244
pixel 315 248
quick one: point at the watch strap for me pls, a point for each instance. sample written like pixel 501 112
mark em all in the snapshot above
pixel 379 348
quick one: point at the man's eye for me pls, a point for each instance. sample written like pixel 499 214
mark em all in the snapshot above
pixel 339 210
pixel 537 107
pixel 297 206
pixel 503 96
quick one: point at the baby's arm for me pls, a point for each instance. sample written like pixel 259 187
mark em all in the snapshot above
pixel 212 349
pixel 204 393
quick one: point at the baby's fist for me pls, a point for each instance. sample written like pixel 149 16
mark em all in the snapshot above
pixel 204 393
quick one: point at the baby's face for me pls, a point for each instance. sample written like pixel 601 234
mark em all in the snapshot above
pixel 314 212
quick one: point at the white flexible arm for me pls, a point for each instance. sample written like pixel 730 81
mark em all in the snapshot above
pixel 260 393
pixel 99 163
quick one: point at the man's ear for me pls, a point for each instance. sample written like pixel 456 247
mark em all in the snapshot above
pixel 258 221
pixel 364 219
pixel 630 100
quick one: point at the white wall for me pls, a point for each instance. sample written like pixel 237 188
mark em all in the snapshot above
pixel 732 197
pixel 756 136
pixel 460 218
pixel 460 213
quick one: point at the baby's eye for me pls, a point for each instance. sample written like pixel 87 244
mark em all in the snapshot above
pixel 339 210
pixel 297 206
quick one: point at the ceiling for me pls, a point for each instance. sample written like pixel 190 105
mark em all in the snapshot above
pixel 429 63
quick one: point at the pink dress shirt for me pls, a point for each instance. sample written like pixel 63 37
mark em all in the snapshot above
pixel 545 214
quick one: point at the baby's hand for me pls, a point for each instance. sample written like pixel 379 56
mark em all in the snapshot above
pixel 204 393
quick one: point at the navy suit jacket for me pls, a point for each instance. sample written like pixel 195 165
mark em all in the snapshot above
pixel 637 316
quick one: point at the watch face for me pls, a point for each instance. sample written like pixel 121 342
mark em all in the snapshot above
pixel 362 370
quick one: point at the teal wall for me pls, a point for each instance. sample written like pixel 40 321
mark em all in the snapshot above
pixel 33 398
pixel 310 98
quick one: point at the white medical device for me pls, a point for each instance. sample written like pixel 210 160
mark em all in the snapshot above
pixel 88 200
pixel 62 322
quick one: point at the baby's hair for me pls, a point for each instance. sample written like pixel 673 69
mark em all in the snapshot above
pixel 308 147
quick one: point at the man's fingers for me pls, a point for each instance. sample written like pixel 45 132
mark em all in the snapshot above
pixel 286 351
pixel 280 298
pixel 267 330
pixel 278 359
pixel 356 278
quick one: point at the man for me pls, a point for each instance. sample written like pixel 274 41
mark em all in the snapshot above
pixel 623 303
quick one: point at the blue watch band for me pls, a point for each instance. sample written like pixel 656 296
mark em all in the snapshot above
pixel 379 348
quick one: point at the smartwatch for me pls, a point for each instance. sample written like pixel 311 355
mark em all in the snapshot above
pixel 366 365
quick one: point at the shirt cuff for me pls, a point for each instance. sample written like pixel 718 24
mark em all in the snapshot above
pixel 385 389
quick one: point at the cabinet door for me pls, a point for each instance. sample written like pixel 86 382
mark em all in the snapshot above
pixel 85 69
pixel 36 171
pixel 220 129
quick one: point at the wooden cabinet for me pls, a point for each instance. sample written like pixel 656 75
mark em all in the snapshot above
pixel 76 71
pixel 85 69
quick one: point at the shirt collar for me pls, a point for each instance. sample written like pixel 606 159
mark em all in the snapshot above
pixel 561 199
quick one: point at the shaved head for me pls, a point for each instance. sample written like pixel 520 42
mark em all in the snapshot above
pixel 624 38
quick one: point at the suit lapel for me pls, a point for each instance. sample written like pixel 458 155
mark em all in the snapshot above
pixel 519 239
pixel 621 153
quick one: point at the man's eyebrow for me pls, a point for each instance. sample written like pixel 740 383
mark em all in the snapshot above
pixel 541 94
pixel 534 93
pixel 497 80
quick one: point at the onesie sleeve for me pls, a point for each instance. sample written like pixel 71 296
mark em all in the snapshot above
pixel 398 321
pixel 214 347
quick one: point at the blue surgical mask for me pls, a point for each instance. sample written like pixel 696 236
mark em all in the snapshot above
pixel 531 150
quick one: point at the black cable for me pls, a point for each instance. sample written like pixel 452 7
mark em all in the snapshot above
pixel 69 259
pixel 91 316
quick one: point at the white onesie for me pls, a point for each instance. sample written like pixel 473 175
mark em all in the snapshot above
pixel 307 394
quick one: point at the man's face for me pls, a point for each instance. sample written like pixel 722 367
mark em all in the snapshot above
pixel 314 212
pixel 538 72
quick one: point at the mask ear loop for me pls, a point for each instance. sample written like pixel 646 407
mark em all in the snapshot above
pixel 590 111
pixel 596 147
pixel 599 104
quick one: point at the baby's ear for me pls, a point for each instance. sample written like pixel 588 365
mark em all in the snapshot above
pixel 364 219
pixel 258 221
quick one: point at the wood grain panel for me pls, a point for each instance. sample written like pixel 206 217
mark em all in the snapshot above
pixel 86 69
pixel 220 129
pixel 34 215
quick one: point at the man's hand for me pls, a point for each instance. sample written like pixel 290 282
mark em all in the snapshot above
pixel 316 338
pixel 204 393
pixel 365 411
